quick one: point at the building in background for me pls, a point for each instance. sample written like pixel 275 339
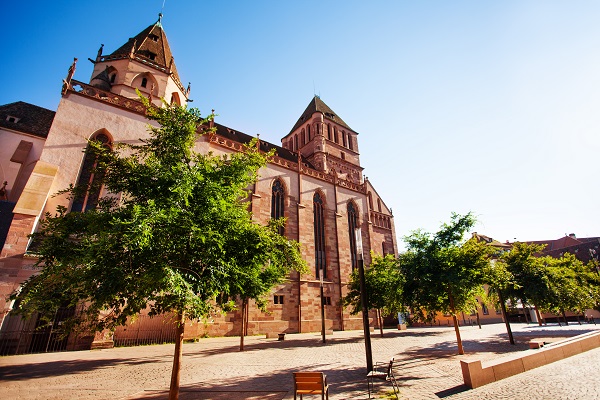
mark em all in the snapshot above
pixel 315 181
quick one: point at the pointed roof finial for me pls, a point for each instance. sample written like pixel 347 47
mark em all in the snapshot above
pixel 159 22
pixel 99 55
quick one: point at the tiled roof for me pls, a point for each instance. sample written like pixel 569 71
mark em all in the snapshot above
pixel 317 105
pixel 556 244
pixel 157 50
pixel 584 251
pixel 243 138
pixel 32 119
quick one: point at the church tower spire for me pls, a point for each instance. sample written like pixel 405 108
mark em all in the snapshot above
pixel 145 62
pixel 325 140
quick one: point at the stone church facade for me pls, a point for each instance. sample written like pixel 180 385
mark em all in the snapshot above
pixel 315 181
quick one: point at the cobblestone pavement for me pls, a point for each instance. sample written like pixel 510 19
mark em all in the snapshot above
pixel 428 367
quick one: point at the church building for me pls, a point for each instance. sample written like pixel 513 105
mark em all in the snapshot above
pixel 315 181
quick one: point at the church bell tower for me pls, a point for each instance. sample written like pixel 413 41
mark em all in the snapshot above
pixel 145 63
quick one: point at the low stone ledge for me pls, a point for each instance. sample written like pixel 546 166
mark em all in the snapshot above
pixel 476 375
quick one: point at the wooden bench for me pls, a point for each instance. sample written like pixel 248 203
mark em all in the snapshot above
pixel 383 371
pixel 311 383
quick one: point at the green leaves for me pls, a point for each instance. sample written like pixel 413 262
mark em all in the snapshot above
pixel 174 234
pixel 444 273
pixel 384 283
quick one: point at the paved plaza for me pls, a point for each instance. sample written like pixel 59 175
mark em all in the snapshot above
pixel 214 368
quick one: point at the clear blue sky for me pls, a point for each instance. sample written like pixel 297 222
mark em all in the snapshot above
pixel 490 107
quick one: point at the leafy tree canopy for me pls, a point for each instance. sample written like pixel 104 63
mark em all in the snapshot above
pixel 444 272
pixel 173 233
pixel 383 282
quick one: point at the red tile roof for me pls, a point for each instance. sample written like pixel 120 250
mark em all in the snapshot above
pixel 31 119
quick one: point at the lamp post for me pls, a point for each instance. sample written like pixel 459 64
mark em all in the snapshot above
pixel 363 298
pixel 322 305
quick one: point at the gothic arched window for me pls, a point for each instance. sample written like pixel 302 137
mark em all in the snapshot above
pixel 277 202
pixel 319 227
pixel 352 225
pixel 144 82
pixel 90 178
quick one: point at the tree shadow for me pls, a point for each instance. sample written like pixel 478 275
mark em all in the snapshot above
pixel 275 386
pixel 65 367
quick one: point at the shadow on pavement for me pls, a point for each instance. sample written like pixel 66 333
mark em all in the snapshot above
pixel 58 368
pixel 452 391
pixel 291 343
pixel 275 386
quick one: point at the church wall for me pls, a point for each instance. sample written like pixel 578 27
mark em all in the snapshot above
pixel 76 120
pixel 14 269
pixel 16 173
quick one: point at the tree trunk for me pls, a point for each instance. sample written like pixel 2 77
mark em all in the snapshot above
pixel 243 333
pixel 456 329
pixel 176 372
pixel 539 316
pixel 505 316
pixel 247 316
pixel 525 312
pixel 478 320
pixel 564 314
pixel 380 322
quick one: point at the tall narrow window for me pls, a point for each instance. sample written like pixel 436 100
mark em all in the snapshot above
pixel 350 144
pixel 335 135
pixel 277 200
pixel 303 137
pixel 144 82
pixel 352 225
pixel 329 131
pixel 308 131
pixel 295 142
pixel 319 227
pixel 90 178
pixel 344 138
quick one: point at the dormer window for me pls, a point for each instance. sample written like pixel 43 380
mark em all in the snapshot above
pixel 112 78
pixel 144 82
pixel 12 119
pixel 153 37
pixel 151 56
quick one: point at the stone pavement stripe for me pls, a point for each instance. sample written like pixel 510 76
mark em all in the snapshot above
pixel 214 368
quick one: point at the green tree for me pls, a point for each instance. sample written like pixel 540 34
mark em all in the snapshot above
pixel 383 282
pixel 444 273
pixel 571 285
pixel 264 259
pixel 528 278
pixel 551 284
pixel 165 238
